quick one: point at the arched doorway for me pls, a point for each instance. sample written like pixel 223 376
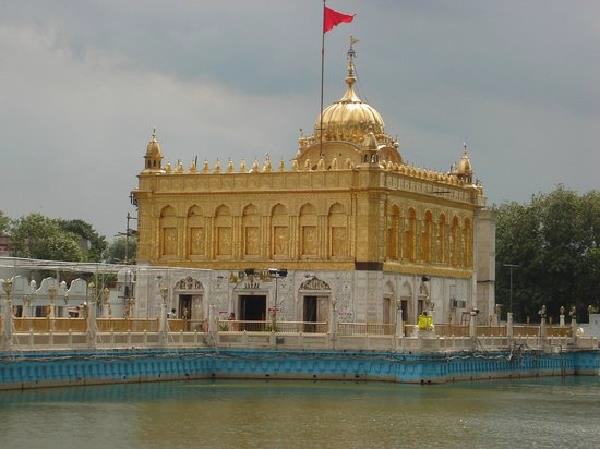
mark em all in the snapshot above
pixel 314 295
pixel 188 294
pixel 405 303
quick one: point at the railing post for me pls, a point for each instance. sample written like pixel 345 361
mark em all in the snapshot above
pixel 332 324
pixel 574 327
pixel 332 318
pixel 509 325
pixel 213 323
pixel 91 325
pixel 163 324
pixel 473 325
pixel 543 327
pixel 7 325
pixel 399 323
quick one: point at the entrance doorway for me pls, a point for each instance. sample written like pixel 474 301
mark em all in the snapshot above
pixel 253 308
pixel 314 310
pixel 404 308
pixel 309 313
pixel 185 307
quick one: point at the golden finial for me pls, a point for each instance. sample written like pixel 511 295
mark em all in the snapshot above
pixel 321 164
pixel 205 166
pixel 295 165
pixel 217 166
pixel 229 166
pixel 334 164
pixel 168 168
pixel 255 166
pixel 307 164
pixel 243 168
pixel 193 166
pixel 268 164
pixel 281 165
pixel 179 166
pixel 154 134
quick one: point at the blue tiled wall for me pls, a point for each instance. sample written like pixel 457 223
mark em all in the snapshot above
pixel 25 370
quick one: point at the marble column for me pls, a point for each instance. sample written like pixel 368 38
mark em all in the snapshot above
pixel 509 325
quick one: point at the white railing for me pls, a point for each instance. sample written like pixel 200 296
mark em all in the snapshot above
pixel 347 329
pixel 267 326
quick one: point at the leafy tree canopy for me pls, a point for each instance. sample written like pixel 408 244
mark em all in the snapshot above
pixel 41 237
pixel 555 240
pixel 115 252
pixel 4 222
pixel 87 233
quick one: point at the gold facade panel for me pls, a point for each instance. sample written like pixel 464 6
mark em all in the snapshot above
pixel 309 240
pixel 197 242
pixel 339 242
pixel 281 241
pixel 223 241
pixel 252 241
pixel 169 241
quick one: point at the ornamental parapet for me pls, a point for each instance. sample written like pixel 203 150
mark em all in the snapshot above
pixel 386 175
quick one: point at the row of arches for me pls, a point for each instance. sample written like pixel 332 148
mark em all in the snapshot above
pixel 428 240
pixel 252 235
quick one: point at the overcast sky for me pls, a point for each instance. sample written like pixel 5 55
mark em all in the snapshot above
pixel 82 83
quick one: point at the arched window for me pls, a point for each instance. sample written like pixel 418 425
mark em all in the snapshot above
pixel 251 230
pixel 309 244
pixel 223 243
pixel 410 235
pixel 168 231
pixel 426 237
pixel 280 231
pixel 196 232
pixel 455 242
pixel 337 230
pixel 393 223
pixel 442 245
pixel 468 244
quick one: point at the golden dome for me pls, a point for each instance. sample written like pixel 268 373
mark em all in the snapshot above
pixel 464 165
pixel 153 147
pixel 349 119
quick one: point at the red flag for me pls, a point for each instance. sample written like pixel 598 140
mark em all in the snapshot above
pixel 332 18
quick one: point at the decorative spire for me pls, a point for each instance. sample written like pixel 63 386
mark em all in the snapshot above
pixel 464 169
pixel 153 155
pixel 350 96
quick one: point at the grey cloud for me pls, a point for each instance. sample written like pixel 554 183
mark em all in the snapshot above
pixel 82 84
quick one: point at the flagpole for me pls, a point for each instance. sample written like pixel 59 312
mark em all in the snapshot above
pixel 322 76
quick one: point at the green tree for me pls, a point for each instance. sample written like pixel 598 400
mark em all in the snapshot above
pixel 554 239
pixel 87 233
pixel 115 252
pixel 42 238
pixel 4 222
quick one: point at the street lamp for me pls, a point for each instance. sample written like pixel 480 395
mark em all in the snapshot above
pixel 511 266
pixel 276 273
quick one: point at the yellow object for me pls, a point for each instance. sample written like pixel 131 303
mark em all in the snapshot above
pixel 425 322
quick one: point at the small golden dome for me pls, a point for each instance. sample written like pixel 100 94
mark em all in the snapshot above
pixel 464 165
pixel 349 118
pixel 153 147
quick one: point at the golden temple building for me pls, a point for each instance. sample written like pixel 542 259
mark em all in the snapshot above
pixel 352 223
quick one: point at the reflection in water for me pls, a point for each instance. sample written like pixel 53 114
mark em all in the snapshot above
pixel 549 412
